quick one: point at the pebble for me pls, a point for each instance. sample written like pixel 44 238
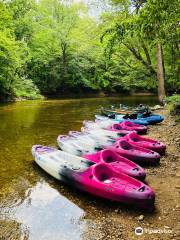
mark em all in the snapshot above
pixel 141 218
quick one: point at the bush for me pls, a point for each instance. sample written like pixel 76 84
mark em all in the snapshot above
pixel 173 103
pixel 25 88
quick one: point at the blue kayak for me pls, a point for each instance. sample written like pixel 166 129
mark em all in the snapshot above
pixel 152 119
pixel 119 119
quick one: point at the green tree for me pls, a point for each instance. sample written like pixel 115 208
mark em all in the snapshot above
pixel 9 57
pixel 139 26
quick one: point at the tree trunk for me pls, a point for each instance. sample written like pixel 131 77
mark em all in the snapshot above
pixel 64 63
pixel 160 74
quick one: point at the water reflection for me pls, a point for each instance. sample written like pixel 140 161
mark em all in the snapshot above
pixel 46 214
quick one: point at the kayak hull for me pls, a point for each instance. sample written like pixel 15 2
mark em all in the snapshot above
pixel 97 179
pixel 120 120
pixel 114 127
pixel 135 153
pixel 117 162
pixel 152 119
pixel 140 129
pixel 122 147
pixel 148 143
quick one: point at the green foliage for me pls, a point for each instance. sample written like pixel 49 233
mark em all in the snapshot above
pixel 174 104
pixel 52 46
pixel 9 63
pixel 132 31
pixel 25 88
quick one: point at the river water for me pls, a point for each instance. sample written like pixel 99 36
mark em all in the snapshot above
pixel 34 205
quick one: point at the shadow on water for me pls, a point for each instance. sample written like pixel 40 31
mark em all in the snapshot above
pixel 34 205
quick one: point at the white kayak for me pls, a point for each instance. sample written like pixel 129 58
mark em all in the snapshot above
pixel 98 124
pixel 76 146
pixel 55 162
pixel 92 139
pixel 101 132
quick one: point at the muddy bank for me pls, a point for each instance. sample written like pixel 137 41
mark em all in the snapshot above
pixel 35 206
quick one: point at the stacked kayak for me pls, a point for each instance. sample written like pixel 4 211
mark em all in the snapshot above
pixel 123 109
pixel 105 158
pixel 98 179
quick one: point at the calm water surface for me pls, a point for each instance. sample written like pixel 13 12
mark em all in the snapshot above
pixel 34 205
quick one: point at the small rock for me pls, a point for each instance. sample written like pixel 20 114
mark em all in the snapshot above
pixel 177 186
pixel 159 218
pixel 116 210
pixel 166 227
pixel 141 218
pixel 165 213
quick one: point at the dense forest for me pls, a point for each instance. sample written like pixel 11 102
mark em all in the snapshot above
pixel 50 47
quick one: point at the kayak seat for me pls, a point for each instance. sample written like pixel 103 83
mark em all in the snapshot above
pixel 108 156
pixel 135 139
pixel 103 173
pixel 125 145
pixel 117 127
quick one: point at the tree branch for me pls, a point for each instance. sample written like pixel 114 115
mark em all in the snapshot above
pixel 139 57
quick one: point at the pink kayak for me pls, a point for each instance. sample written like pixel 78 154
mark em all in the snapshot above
pixel 118 163
pixel 154 145
pixel 127 125
pixel 135 153
pixel 118 128
pixel 122 147
pixel 112 127
pixel 97 179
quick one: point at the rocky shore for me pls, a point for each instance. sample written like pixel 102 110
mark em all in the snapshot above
pixel 163 223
